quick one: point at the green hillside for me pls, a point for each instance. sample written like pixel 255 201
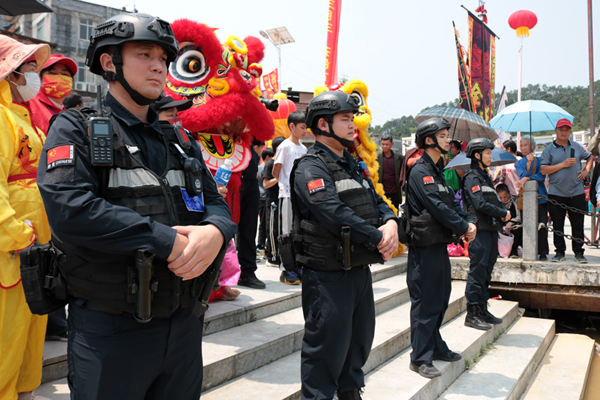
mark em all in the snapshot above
pixel 573 99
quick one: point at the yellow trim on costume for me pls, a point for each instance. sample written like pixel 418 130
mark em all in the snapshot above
pixel 217 87
pixel 237 45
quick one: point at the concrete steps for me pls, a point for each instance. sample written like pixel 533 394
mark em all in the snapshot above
pixel 281 379
pixel 251 349
pixel 563 372
pixel 394 379
pixel 238 350
pixel 504 372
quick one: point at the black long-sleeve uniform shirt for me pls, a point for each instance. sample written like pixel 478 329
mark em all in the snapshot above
pixel 326 208
pixel 78 216
pixel 421 195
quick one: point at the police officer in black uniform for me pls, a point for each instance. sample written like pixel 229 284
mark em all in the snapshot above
pixel 483 205
pixel 340 226
pixel 156 199
pixel 435 220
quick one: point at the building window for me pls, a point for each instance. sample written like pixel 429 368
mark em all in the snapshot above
pixel 86 27
pixel 84 75
pixel 39 29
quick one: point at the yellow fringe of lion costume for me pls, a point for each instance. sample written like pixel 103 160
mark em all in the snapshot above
pixel 364 149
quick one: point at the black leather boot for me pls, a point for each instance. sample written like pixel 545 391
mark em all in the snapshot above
pixel 475 319
pixel 349 394
pixel 488 316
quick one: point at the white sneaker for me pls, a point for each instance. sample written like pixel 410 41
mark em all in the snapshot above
pixel 270 264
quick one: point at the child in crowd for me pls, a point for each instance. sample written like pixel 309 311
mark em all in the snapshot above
pixel 516 219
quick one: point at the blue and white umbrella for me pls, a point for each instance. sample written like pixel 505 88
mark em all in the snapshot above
pixel 499 157
pixel 529 116
pixel 464 125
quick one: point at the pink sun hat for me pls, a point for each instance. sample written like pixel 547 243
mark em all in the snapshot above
pixel 14 53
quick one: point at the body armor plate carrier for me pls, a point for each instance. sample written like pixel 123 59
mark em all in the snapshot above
pixel 424 229
pixel 484 221
pixel 315 246
pixel 104 280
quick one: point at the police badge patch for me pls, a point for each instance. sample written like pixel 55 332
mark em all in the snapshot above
pixel 475 189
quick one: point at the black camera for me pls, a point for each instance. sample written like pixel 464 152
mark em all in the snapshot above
pixel 193 176
pixel 271 104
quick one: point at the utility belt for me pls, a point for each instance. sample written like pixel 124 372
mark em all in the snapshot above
pixel 315 248
pixel 49 285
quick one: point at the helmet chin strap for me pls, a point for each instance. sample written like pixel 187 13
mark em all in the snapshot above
pixel 437 145
pixel 481 159
pixel 119 77
pixel 344 142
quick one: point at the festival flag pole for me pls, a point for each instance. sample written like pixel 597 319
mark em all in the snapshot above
pixel 521 21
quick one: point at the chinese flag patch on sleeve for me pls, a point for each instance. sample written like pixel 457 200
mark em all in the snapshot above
pixel 60 156
pixel 475 189
pixel 427 180
pixel 315 186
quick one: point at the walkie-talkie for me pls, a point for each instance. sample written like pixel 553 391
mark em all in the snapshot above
pixel 100 134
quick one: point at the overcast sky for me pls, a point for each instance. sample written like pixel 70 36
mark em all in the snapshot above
pixel 403 50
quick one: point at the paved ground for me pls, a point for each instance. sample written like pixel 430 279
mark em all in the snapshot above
pixel 591 253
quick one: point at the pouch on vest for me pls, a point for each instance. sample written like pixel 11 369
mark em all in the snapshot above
pixel 45 288
pixel 287 253
pixel 403 228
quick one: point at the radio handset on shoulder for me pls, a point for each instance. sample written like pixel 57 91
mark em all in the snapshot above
pixel 100 134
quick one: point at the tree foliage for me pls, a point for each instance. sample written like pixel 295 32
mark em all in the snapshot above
pixel 574 100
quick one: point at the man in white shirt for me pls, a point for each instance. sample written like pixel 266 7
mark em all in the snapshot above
pixel 289 150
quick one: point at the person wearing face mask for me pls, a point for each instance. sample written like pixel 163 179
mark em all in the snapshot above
pixel 482 203
pixel 57 82
pixel 335 206
pixel 23 219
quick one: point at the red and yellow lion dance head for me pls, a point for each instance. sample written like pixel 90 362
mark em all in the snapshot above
pixel 222 80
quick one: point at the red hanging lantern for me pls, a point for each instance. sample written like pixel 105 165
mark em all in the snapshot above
pixel 522 21
pixel 286 107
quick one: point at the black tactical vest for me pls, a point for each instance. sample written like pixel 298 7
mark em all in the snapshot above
pixel 424 229
pixel 484 221
pixel 104 279
pixel 316 247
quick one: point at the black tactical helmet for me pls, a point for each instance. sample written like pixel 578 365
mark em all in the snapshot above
pixel 329 103
pixel 429 128
pixel 124 28
pixel 477 145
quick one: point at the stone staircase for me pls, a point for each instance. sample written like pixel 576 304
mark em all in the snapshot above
pixel 251 349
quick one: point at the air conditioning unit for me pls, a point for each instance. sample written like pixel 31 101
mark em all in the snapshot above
pixel 80 86
pixel 92 88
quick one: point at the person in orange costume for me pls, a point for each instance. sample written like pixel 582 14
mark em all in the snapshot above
pixel 22 217
pixel 57 82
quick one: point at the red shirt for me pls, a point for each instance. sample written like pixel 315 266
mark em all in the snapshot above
pixel 42 109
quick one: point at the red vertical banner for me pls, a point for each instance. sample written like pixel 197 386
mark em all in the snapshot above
pixel 271 83
pixel 482 65
pixel 333 32
pixel 268 88
pixel 274 79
